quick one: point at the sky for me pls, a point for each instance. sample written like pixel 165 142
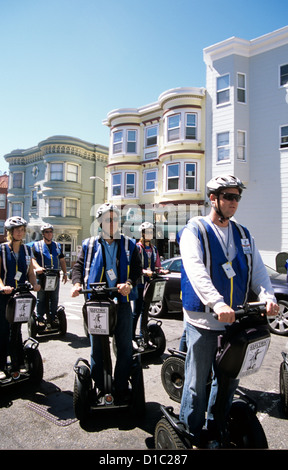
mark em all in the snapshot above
pixel 65 64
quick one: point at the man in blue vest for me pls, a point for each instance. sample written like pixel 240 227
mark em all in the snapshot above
pixel 48 254
pixel 114 259
pixel 220 264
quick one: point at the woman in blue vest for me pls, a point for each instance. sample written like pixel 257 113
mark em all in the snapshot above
pixel 220 264
pixel 150 262
pixel 114 259
pixel 48 254
pixel 15 267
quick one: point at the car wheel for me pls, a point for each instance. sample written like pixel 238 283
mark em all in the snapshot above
pixel 279 324
pixel 157 309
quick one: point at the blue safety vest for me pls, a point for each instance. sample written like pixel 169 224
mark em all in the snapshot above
pixel 11 265
pixel 94 264
pixel 234 290
pixel 44 257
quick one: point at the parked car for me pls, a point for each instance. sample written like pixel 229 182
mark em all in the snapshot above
pixel 171 302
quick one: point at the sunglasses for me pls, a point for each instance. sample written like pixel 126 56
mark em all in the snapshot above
pixel 231 197
pixel 110 219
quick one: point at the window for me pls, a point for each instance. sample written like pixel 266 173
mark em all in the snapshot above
pixel 116 184
pixel 130 184
pixel 55 207
pixel 72 172
pixel 241 145
pixel 223 151
pixel 2 201
pixel 71 207
pixel 131 141
pixel 284 75
pixel 56 171
pixel 150 178
pixel 17 180
pixel 16 209
pixel 151 136
pixel 241 88
pixel 223 89
pixel 190 176
pixel 173 127
pixel 2 229
pixel 173 177
pixel 284 137
pixel 118 142
pixel 34 198
pixel 191 125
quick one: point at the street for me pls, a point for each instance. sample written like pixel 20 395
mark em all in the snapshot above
pixel 43 418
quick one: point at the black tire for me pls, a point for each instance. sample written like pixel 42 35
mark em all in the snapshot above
pixel 245 429
pixel 62 320
pixel 138 405
pixel 157 337
pixel 82 389
pixel 34 364
pixel 172 377
pixel 32 326
pixel 165 436
pixel 283 385
pixel 279 324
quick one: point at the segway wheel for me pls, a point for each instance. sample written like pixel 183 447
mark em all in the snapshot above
pixel 82 388
pixel 166 437
pixel 32 326
pixel 172 377
pixel 157 338
pixel 245 429
pixel 283 383
pixel 35 365
pixel 62 320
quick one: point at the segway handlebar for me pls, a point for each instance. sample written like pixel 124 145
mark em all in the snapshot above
pixel 26 287
pixel 98 287
pixel 250 308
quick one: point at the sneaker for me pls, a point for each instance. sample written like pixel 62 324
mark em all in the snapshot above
pixel 2 375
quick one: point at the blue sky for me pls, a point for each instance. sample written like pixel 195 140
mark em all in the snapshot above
pixel 65 64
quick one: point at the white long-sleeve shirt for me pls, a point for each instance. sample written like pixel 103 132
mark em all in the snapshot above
pixel 192 258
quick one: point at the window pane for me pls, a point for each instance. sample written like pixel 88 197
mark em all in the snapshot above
pixel 72 173
pixel 16 209
pixel 241 80
pixel 130 184
pixel 56 171
pixel 283 75
pixel 190 173
pixel 151 136
pixel 173 127
pixel 117 142
pixel 17 180
pixel 223 151
pixel 223 92
pixel 55 206
pixel 71 208
pixel 223 82
pixel 173 170
pixel 284 137
pixel 116 184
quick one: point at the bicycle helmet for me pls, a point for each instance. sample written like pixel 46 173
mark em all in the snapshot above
pixel 46 227
pixel 13 222
pixel 145 226
pixel 107 207
pixel 226 181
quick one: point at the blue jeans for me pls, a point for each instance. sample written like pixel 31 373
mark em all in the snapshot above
pixel 123 339
pixel 201 349
pixel 53 302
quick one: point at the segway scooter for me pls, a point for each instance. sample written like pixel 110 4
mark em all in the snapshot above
pixel 241 350
pixel 100 317
pixel 29 365
pixel 49 280
pixel 283 382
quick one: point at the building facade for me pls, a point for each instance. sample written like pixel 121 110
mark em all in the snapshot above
pixel 247 130
pixel 3 205
pixel 59 181
pixel 156 168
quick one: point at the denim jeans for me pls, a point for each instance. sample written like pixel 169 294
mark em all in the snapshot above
pixel 202 346
pixel 53 302
pixel 123 339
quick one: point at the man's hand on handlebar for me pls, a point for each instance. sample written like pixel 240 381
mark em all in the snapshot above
pixel 272 308
pixel 225 314
pixel 76 289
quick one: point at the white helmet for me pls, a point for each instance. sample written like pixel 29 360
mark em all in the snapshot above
pixel 145 225
pixel 13 222
pixel 46 227
pixel 225 181
pixel 107 207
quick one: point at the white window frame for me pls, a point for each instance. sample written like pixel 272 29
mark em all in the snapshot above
pixel 182 164
pixel 3 199
pixel 126 174
pixel 223 148
pixel 51 172
pixel 150 128
pixel 77 173
pixel 241 89
pixel 67 199
pixel 145 181
pixel 131 141
pixel 192 177
pixel 241 150
pixel 223 90
pixel 172 129
pixel 60 206
pixel 14 173
pixel 118 173
pixel 119 143
pixel 12 213
pixel 151 149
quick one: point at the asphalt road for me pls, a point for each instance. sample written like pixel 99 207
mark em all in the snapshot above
pixel 43 418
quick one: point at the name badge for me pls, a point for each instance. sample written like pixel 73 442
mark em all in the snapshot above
pixel 229 271
pixel 246 246
pixel 18 276
pixel 111 274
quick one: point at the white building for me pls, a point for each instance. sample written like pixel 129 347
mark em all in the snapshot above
pixel 247 130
